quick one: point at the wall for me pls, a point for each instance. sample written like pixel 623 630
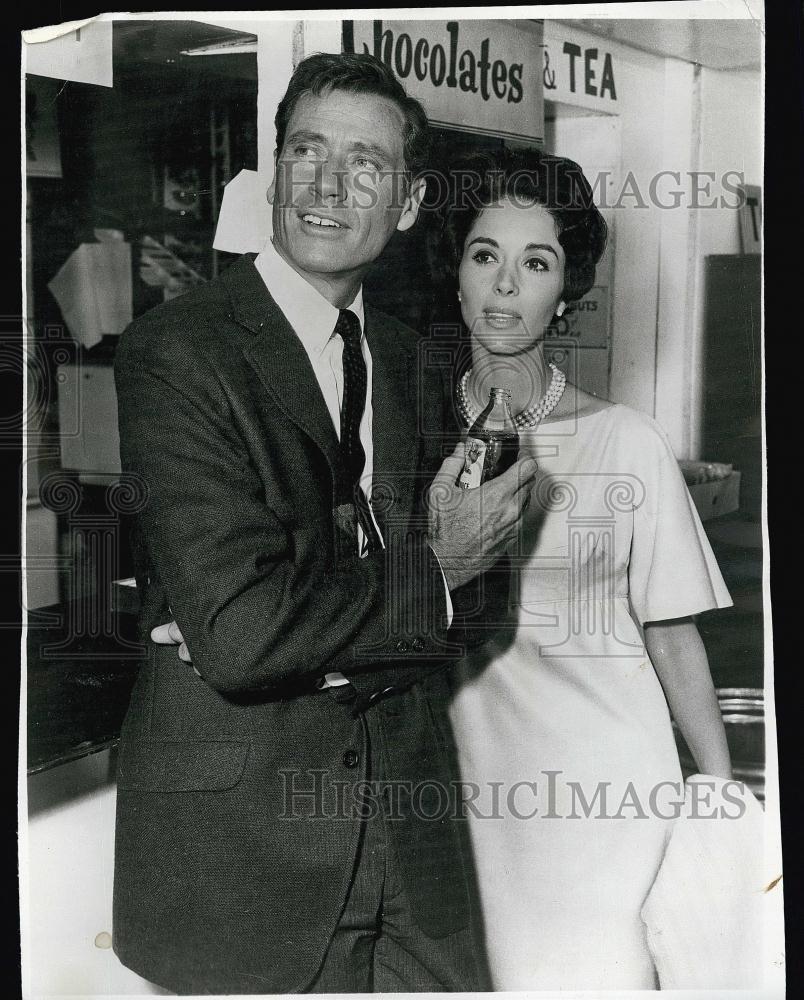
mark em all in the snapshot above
pixel 731 138
pixel 678 117
pixel 593 140
pixel 675 334
pixel 638 103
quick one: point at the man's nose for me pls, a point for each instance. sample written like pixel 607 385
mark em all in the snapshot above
pixel 330 180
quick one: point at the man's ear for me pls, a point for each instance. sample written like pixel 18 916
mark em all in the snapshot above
pixel 272 186
pixel 410 210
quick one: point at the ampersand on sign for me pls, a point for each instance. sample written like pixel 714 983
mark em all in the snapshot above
pixel 548 75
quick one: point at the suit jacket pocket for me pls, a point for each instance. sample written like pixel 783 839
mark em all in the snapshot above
pixel 194 766
pixel 186 709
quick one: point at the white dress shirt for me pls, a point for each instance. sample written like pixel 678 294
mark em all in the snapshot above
pixel 313 320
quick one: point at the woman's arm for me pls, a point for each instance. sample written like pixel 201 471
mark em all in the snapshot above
pixel 678 654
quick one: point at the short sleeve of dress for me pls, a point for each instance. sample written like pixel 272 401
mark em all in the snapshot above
pixel 672 570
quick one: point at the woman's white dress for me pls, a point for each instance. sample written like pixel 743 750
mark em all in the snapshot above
pixel 562 727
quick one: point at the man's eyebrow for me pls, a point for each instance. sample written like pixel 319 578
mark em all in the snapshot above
pixel 304 135
pixel 370 147
pixel 307 136
pixel 529 246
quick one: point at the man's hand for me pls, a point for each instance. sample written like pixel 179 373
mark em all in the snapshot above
pixel 170 634
pixel 469 529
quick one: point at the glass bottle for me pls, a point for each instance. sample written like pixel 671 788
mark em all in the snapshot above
pixel 492 444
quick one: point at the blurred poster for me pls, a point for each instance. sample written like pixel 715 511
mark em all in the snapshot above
pixel 43 154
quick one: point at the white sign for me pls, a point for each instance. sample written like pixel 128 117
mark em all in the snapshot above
pixel 579 69
pixel 483 77
pixel 587 322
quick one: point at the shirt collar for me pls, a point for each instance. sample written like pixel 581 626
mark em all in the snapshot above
pixel 311 315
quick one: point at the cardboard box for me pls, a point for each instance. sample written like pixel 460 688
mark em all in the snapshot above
pixel 718 497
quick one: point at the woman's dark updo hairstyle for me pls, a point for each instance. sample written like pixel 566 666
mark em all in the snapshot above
pixel 527 177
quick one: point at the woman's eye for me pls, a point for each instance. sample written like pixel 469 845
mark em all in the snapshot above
pixel 483 256
pixel 304 152
pixel 536 264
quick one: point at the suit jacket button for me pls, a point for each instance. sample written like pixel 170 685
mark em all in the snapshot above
pixel 402 646
pixel 418 645
pixel 351 758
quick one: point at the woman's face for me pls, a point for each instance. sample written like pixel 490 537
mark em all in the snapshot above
pixel 511 276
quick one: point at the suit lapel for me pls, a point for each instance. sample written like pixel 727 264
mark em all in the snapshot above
pixel 282 364
pixel 279 358
pixel 394 405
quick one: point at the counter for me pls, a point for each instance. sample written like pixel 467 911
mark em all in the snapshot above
pixel 80 678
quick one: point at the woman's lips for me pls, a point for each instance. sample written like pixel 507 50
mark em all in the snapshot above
pixel 500 319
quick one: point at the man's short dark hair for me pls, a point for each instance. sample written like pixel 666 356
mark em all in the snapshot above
pixel 357 73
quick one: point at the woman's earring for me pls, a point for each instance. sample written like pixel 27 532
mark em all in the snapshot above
pixel 561 307
pixel 459 296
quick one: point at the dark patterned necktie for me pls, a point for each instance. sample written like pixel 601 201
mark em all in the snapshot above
pixel 352 407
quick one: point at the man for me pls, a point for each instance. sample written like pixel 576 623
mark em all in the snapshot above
pixel 316 621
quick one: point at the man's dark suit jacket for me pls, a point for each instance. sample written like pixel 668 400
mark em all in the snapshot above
pixel 223 425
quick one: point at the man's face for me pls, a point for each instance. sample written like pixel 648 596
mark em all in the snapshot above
pixel 340 190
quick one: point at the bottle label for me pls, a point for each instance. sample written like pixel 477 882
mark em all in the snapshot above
pixel 474 458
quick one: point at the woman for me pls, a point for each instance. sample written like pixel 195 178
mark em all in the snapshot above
pixel 562 720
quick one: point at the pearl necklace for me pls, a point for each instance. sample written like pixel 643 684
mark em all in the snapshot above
pixel 533 415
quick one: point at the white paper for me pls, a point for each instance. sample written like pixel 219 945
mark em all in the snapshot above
pixel 93 290
pixel 83 55
pixel 244 222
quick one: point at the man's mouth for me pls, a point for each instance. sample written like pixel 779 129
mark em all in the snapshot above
pixel 320 221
